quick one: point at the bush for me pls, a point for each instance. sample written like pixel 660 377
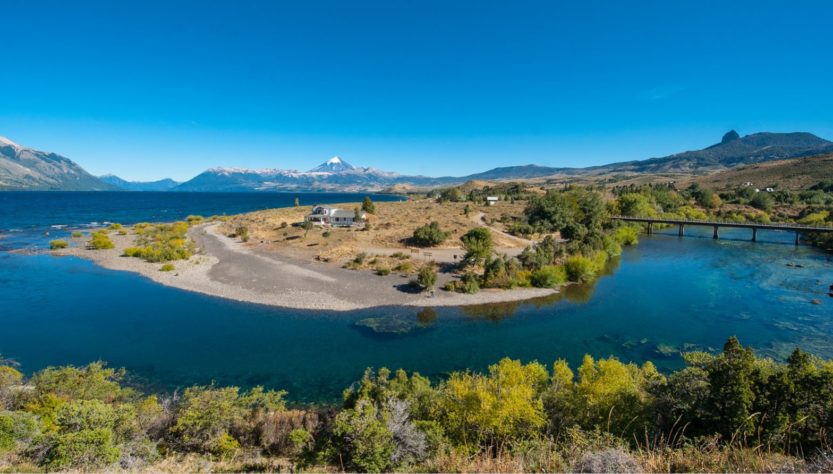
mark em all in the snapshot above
pixel 368 206
pixel 404 267
pixel 115 226
pixel 325 234
pixel 382 270
pixel 762 201
pixel 194 220
pixel 162 243
pixel 427 277
pixel 242 232
pixel 478 244
pixel 468 283
pixel 16 427
pixel 167 268
pixel 430 235
pixel 58 244
pixel 77 234
pixel 579 269
pixel 100 241
pixel 549 276
pixel 363 439
pixel 626 235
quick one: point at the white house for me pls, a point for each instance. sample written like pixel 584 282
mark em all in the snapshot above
pixel 333 216
pixel 491 200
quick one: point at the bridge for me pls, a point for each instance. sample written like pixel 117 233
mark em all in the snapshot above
pixel 682 223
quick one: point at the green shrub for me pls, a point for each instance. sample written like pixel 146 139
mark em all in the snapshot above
pixel 549 276
pixel 194 220
pixel 427 277
pixel 162 243
pixel 115 226
pixel 478 244
pixel 362 438
pixel 626 235
pixel 17 427
pixel 429 235
pixel 242 232
pixel 77 234
pixel 368 206
pixel 167 268
pixel 84 450
pixel 325 234
pixel 762 201
pixel 382 270
pixel 404 267
pixel 58 244
pixel 470 283
pixel 579 268
pixel 100 241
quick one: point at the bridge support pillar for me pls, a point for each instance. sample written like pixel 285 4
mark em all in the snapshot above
pixel 754 234
pixel 796 238
pixel 716 233
pixel 682 230
pixel 650 228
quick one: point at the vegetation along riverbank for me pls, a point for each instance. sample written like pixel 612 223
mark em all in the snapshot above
pixel 730 411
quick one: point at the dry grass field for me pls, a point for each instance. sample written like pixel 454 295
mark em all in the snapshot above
pixel 795 174
pixel 389 231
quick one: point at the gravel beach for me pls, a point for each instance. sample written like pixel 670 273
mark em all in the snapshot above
pixel 226 268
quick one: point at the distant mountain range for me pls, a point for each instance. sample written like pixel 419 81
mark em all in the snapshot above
pixel 24 168
pixel 162 185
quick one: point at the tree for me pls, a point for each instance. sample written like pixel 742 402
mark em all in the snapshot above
pixel 363 439
pixel 429 235
pixel 368 206
pixel 478 244
pixel 497 408
pixel 307 226
pixel 427 277
pixel 762 201
pixel 731 389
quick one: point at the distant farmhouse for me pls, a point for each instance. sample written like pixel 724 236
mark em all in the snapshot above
pixel 492 200
pixel 327 216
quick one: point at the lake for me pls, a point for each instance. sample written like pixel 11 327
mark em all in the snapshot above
pixel 665 295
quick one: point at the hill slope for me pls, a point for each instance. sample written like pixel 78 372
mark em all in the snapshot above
pixel 793 174
pixel 23 168
pixel 732 150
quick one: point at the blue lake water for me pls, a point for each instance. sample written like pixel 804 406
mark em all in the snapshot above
pixel 665 295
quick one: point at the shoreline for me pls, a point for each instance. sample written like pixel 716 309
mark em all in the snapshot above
pixel 227 269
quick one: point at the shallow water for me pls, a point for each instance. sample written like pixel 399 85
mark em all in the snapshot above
pixel 665 295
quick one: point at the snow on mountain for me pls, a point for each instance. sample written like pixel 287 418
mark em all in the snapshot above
pixel 333 165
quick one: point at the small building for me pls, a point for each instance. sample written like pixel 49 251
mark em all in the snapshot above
pixel 492 200
pixel 770 190
pixel 747 184
pixel 327 216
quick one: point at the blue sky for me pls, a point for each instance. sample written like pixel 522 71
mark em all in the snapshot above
pixel 151 89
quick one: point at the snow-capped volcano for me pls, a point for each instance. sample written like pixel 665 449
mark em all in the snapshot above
pixel 333 165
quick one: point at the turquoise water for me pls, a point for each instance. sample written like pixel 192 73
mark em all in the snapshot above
pixel 662 296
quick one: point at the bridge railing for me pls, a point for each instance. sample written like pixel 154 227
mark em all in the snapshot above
pixel 778 225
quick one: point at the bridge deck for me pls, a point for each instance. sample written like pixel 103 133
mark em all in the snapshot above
pixel 743 225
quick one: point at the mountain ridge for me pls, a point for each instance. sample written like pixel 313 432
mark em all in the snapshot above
pixel 25 168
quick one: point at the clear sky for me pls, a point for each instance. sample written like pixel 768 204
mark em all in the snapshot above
pixel 150 89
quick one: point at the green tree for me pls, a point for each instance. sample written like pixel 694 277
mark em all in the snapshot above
pixel 427 277
pixel 368 206
pixel 363 439
pixel 478 244
pixel 429 235
pixel 731 394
